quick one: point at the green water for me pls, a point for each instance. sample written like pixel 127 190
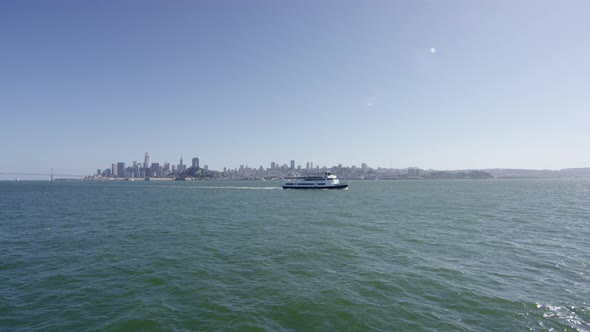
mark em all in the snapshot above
pixel 491 255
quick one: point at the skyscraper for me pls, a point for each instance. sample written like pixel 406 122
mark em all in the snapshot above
pixel 292 164
pixel 155 168
pixel 146 161
pixel 181 165
pixel 195 162
pixel 121 169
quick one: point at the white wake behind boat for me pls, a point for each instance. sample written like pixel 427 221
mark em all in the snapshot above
pixel 325 181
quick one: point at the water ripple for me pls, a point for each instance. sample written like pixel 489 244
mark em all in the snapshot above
pixel 383 256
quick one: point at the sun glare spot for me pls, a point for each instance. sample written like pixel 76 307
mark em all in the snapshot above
pixel 432 50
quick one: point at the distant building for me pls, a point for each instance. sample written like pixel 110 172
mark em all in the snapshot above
pixel 121 169
pixel 136 170
pixel 414 171
pixel 113 169
pixel 146 161
pixel 130 172
pixel 292 164
pixel 195 162
pixel 156 169
pixel 273 165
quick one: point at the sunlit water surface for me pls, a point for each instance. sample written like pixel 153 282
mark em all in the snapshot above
pixel 470 255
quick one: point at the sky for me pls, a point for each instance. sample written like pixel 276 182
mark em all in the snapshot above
pixel 430 84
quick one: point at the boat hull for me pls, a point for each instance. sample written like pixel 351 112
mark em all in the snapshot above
pixel 336 186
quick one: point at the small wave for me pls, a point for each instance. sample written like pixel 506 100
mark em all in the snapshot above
pixel 218 187
pixel 566 315
pixel 233 187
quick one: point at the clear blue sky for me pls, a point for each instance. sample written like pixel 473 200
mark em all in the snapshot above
pixel 432 84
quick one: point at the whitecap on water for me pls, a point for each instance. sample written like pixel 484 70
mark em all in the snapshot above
pixel 564 314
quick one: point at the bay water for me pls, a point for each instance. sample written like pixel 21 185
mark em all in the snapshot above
pixel 453 255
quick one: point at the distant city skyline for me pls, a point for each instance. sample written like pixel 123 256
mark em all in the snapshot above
pixel 153 169
pixel 442 85
pixel 146 169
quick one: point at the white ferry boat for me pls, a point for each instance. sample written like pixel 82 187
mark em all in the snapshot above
pixel 326 181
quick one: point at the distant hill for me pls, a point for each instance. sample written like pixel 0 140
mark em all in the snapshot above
pixel 535 173
pixel 522 173
pixel 473 174
pixel 575 172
